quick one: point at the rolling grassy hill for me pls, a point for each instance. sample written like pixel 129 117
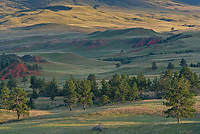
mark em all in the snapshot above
pixel 81 54
pixel 138 117
pixel 34 4
pixel 93 15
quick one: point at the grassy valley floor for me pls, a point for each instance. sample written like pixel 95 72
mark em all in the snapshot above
pixel 134 117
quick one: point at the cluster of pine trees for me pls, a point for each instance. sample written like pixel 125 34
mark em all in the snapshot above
pixel 14 98
pixel 116 89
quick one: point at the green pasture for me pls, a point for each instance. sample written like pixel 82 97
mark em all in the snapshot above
pixel 69 53
pixel 134 117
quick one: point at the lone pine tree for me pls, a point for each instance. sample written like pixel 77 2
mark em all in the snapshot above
pixel 180 100
pixel 18 102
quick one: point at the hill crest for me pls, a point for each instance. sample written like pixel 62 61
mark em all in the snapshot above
pixel 17 5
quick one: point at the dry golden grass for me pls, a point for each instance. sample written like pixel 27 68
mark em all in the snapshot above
pixel 9 115
pixel 34 113
pixel 132 111
pixel 84 17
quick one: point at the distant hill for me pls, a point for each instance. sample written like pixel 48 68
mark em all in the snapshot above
pixel 96 15
pixel 191 2
pixel 8 5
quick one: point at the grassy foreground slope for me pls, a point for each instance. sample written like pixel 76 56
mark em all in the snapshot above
pixel 135 117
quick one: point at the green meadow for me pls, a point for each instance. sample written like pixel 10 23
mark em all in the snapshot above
pixel 133 117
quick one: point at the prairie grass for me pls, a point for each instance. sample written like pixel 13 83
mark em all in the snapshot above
pixel 132 117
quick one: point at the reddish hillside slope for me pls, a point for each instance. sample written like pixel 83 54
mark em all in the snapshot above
pixel 148 41
pixel 17 69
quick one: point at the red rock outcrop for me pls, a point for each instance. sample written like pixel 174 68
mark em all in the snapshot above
pixel 17 69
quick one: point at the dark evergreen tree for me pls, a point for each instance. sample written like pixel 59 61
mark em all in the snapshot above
pixel 12 83
pixel 84 93
pixel 185 71
pixel 5 97
pixel 183 63
pixel 34 95
pixel 155 85
pixel 94 86
pixel 72 78
pixel 69 93
pixel 124 89
pixel 104 99
pixel 149 83
pixel 180 100
pixel 170 66
pixel 118 65
pixel 141 82
pixel 41 86
pixel 198 64
pixel 31 103
pixel 34 82
pixel 18 102
pixel 105 89
pixel 24 79
pixel 133 92
pixel 52 89
pixel 154 66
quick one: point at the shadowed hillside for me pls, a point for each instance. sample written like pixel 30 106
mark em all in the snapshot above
pixel 34 4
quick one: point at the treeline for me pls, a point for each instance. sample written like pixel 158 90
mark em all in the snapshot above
pixel 186 51
pixel 34 67
pixel 195 65
pixel 123 61
pixel 117 89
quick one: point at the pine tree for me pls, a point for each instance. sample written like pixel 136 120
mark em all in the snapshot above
pixel 12 83
pixel 133 92
pixel 41 86
pixel 105 89
pixel 34 82
pixel 170 66
pixel 18 102
pixel 154 66
pixel 52 89
pixel 94 86
pixel 69 93
pixel 5 97
pixel 118 65
pixel 31 103
pixel 141 82
pixel 84 93
pixel 72 78
pixel 180 100
pixel 123 90
pixel 183 63
pixel 24 79
pixel 34 95
pixel 104 99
